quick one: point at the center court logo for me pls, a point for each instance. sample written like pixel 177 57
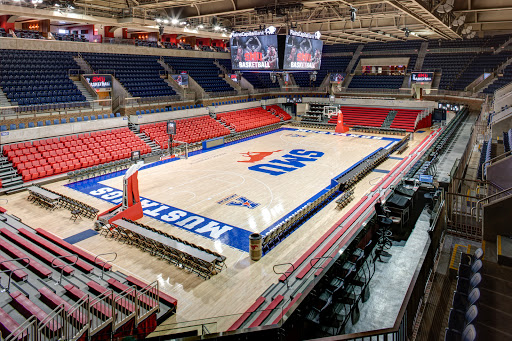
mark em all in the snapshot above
pixel 238 200
pixel 295 159
pixel 257 156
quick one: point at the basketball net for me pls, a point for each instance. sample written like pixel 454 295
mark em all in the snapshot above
pixel 340 128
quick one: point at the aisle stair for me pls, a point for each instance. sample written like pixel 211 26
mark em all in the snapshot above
pixel 11 180
pixel 389 119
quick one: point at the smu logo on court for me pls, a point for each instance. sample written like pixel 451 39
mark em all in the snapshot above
pixel 257 156
pixel 295 159
pixel 238 200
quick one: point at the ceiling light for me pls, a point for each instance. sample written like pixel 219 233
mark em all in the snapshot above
pixel 216 28
pixel 158 20
pixel 166 21
pixel 175 21
pixel 200 26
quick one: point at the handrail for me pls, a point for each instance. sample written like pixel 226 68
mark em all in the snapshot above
pixel 318 258
pixel 64 265
pixel 479 202
pixel 105 262
pixel 12 271
pixel 284 273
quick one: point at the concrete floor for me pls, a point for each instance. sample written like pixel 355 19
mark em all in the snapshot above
pixel 454 150
pixel 391 281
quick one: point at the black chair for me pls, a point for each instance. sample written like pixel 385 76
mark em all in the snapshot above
pixel 468 334
pixel 467 271
pixel 462 302
pixel 465 285
pixel 467 259
pixel 458 320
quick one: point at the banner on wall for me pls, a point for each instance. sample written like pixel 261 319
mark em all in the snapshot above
pixel 99 82
pixel 181 79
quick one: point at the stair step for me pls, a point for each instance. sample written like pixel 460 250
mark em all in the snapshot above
pixel 16 189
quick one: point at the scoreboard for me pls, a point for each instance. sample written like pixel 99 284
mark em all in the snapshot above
pixel 266 51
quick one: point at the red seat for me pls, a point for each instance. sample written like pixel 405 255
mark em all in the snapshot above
pixel 33 265
pixel 28 308
pixel 8 325
pixel 53 301
pixel 78 294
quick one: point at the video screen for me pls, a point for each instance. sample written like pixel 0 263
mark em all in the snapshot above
pixel 254 53
pixel 181 79
pixel 337 78
pixel 302 53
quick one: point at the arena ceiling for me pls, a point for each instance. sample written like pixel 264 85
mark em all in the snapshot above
pixel 376 20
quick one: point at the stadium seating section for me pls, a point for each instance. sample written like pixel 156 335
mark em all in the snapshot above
pixel 3 32
pixel 247 119
pixel 393 45
pixel 188 130
pixel 38 77
pixel 63 119
pixel 70 37
pixel 340 48
pixel 374 117
pixel 50 277
pixel 260 80
pixel 202 70
pixel 502 80
pixel 139 74
pixel 376 81
pixel 41 158
pixel 27 34
pixel 277 110
pixel 330 64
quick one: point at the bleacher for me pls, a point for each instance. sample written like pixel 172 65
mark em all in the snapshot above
pixel 485 156
pixel 42 158
pixel 226 63
pixel 393 45
pixel 139 74
pixel 146 43
pixel 70 37
pixel 260 80
pixel 339 48
pixel 38 77
pixel 502 80
pixel 483 62
pixel 330 65
pixel 169 45
pixel 376 82
pixel 247 119
pixel 374 117
pixel 464 312
pixel 30 122
pixel 277 110
pixel 28 34
pixel 405 119
pixel 451 64
pixel 188 130
pixel 66 289
pixel 202 70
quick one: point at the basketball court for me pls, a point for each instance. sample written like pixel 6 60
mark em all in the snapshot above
pixel 210 185
pixel 228 193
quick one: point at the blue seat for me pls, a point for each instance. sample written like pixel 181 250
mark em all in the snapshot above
pixel 55 121
pixel 40 123
pixel 152 111
pixel 187 107
pixel 182 108
pixel 147 112
pixel 100 117
pixel 93 117
pixel 3 128
pixel 47 123
pixel 157 110
pixel 137 113
pixel 118 114
pixel 72 120
pixel 111 116
pixel 31 124
pixel 105 116
pixel 63 120
pixel 21 126
pixel 86 118
pixel 79 119
pixel 12 126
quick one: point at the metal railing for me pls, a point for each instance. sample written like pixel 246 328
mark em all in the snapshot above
pixel 17 112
